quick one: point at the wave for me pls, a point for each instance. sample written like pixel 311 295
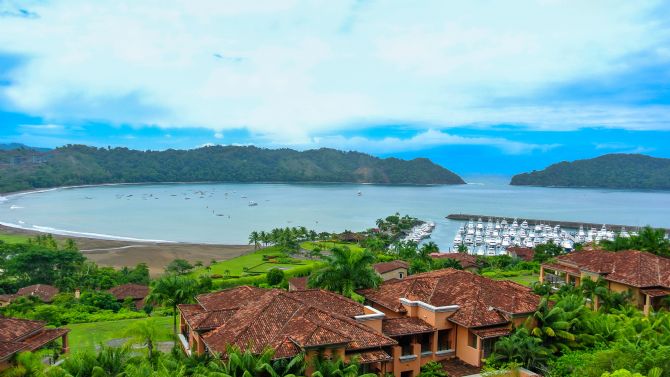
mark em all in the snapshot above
pixel 15 207
pixel 62 232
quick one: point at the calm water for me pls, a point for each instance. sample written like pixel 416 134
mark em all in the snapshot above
pixel 163 212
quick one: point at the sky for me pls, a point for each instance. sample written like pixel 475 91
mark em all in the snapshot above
pixel 480 87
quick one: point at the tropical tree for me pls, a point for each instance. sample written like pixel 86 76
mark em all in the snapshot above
pixel 255 239
pixel 173 290
pixel 336 368
pixel 346 271
pixel 27 364
pixel 144 332
pixel 462 249
pixel 557 325
pixel 519 347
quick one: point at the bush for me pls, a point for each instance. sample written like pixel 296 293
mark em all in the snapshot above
pixel 275 276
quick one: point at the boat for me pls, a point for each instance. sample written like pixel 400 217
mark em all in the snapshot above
pixel 360 193
pixel 252 204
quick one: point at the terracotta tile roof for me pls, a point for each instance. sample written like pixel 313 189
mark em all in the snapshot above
pixel 562 267
pixel 524 253
pixel 405 326
pixel 135 291
pixel 299 283
pixel 7 298
pixel 630 267
pixel 385 267
pixel 467 260
pixel 482 301
pixel 656 292
pixel 43 337
pixel 330 302
pixel 277 316
pixel 7 349
pixel 371 356
pixel 230 298
pixel 44 292
pixel 492 332
pixel 15 329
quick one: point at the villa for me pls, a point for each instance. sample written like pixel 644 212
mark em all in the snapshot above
pixel 18 335
pixel 136 292
pixel 467 261
pixel 434 316
pixel 645 275
pixel 396 269
pixel 44 292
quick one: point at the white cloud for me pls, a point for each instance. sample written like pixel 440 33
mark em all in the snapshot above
pixel 290 69
pixel 218 135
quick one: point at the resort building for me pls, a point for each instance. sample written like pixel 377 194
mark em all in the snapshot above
pixel 136 292
pixel 19 335
pixel 396 269
pixel 434 316
pixel 449 313
pixel 645 275
pixel 298 283
pixel 467 261
pixel 44 292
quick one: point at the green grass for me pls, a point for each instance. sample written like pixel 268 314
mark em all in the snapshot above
pixel 327 245
pixel 13 238
pixel 254 261
pixel 526 280
pixel 86 336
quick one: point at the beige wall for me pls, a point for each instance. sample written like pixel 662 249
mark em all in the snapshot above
pixel 464 351
pixel 395 274
pixel 637 297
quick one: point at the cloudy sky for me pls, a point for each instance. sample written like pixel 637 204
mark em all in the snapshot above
pixel 493 87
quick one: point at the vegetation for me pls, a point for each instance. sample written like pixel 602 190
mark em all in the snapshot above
pixel 173 290
pixel 88 336
pixel 649 239
pixel 617 171
pixel 346 271
pixel 78 164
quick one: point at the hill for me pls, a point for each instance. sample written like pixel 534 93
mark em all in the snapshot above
pixel 22 169
pixel 13 146
pixel 616 171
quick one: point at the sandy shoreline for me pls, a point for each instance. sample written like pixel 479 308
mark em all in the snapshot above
pixel 115 253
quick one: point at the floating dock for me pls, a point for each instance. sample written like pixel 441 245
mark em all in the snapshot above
pixel 563 224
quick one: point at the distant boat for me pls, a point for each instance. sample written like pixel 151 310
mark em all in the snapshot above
pixel 360 193
pixel 252 203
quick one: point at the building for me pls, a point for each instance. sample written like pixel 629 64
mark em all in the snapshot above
pixel 136 292
pixel 467 261
pixel 646 276
pixel 434 316
pixel 396 269
pixel 523 253
pixel 465 312
pixel 19 335
pixel 44 292
pixel 7 299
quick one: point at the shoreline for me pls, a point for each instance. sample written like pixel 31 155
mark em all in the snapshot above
pixel 127 253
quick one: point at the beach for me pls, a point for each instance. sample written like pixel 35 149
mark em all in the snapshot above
pixel 117 254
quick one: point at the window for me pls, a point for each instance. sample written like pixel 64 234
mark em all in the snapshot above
pixel 401 275
pixel 426 342
pixel 406 345
pixel 444 340
pixel 472 340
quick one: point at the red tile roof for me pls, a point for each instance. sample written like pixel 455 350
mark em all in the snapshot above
pixel 277 317
pixel 467 260
pixel 385 267
pixel 44 292
pixel 492 332
pixel 525 253
pixel 562 267
pixel 7 298
pixel 405 326
pixel 371 357
pixel 135 291
pixel 299 283
pixel 330 302
pixel 21 334
pixel 630 267
pixel 43 337
pixel 656 292
pixel 481 301
pixel 232 298
pixel 7 349
pixel 15 329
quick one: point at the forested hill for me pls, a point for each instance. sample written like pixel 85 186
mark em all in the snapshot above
pixel 23 168
pixel 619 171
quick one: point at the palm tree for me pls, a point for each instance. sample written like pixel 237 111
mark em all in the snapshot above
pixel 172 290
pixel 555 326
pixel 336 368
pixel 145 332
pixel 245 364
pixel 520 347
pixel 27 364
pixel 346 271
pixel 254 239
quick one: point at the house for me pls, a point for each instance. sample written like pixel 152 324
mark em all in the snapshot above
pixel 298 284
pixel 468 261
pixel 434 316
pixel 523 253
pixel 314 322
pixel 645 275
pixel 18 335
pixel 136 292
pixel 449 313
pixel 396 269
pixel 44 292
pixel 7 299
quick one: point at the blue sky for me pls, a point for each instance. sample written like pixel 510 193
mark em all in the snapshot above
pixel 492 87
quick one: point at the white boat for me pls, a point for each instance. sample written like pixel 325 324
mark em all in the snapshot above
pixel 252 204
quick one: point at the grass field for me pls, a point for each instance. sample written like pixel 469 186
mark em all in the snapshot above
pixel 86 336
pixel 327 245
pixel 526 280
pixel 253 261
pixel 13 238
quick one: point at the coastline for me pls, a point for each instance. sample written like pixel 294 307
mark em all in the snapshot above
pixel 123 253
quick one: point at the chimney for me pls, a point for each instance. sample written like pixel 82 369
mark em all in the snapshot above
pixel 77 293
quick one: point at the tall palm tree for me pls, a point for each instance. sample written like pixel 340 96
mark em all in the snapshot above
pixel 520 347
pixel 254 238
pixel 337 368
pixel 346 271
pixel 172 290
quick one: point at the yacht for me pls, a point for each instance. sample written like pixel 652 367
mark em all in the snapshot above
pixel 252 204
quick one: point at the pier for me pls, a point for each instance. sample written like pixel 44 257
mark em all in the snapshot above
pixel 563 224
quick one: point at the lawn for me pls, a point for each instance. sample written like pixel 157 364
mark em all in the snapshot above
pixel 253 261
pixel 13 238
pixel 86 336
pixel 526 280
pixel 327 245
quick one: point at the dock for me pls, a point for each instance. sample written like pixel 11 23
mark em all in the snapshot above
pixel 563 224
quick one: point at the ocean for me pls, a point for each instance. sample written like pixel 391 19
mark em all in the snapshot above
pixel 220 212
